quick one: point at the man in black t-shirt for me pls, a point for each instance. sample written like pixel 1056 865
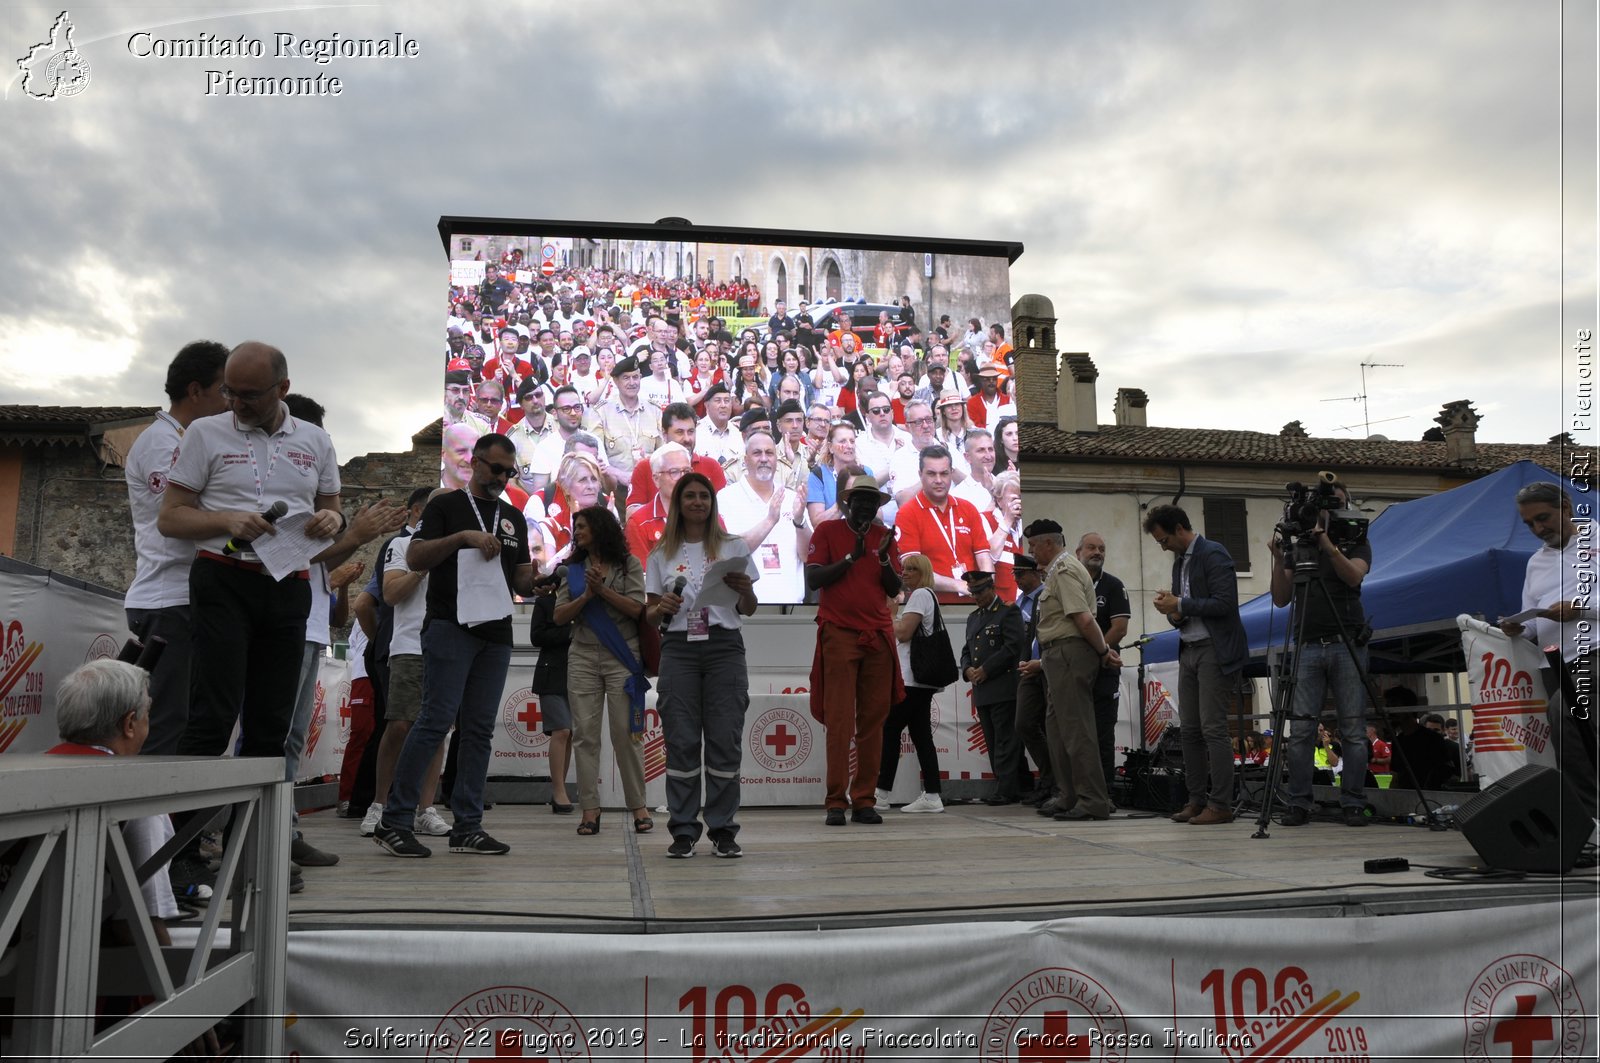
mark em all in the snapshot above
pixel 1111 612
pixel 1323 665
pixel 464 664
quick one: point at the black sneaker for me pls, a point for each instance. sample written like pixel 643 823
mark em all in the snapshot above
pixel 1294 816
pixel 187 870
pixel 297 882
pixel 480 843
pixel 724 847
pixel 835 817
pixel 682 847
pixel 866 815
pixel 1355 817
pixel 397 842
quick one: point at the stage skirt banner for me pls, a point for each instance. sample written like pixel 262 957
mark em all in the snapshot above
pixel 1160 699
pixel 49 628
pixel 1509 726
pixel 1518 986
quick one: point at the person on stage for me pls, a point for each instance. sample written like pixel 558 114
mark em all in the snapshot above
pixel 914 712
pixel 704 688
pixel 466 646
pixel 853 563
pixel 603 591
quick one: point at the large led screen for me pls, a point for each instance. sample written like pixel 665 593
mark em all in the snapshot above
pixel 615 365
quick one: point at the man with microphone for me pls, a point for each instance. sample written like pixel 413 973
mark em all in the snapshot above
pixel 248 629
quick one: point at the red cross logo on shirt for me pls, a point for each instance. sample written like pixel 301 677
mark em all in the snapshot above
pixel 1054 1044
pixel 530 716
pixel 780 740
pixel 681 569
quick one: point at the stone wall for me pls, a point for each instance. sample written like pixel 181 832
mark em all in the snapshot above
pixel 73 517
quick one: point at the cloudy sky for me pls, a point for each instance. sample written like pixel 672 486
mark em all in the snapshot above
pixel 1231 204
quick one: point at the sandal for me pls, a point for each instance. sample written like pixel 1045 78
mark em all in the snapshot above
pixel 590 826
pixel 643 825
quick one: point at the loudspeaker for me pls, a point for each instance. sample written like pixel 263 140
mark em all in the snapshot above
pixel 1531 820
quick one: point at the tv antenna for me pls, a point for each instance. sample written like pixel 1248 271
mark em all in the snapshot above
pixel 1366 421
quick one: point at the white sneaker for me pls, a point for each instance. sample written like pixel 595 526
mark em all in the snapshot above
pixel 882 798
pixel 430 822
pixel 370 821
pixel 925 803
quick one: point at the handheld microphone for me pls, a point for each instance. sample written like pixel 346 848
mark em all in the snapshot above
pixel 677 588
pixel 1141 641
pixel 273 512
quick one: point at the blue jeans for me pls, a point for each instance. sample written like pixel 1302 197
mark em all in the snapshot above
pixel 462 679
pixel 1321 670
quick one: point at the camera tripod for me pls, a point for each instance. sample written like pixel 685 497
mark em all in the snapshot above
pixel 1306 579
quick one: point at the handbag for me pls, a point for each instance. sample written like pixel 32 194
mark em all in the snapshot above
pixel 933 661
pixel 649 645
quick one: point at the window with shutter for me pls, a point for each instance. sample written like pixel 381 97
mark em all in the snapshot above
pixel 1225 523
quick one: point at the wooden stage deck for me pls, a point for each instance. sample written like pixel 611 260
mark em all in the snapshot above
pixel 971 863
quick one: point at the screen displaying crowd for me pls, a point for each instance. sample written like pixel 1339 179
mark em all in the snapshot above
pixel 613 383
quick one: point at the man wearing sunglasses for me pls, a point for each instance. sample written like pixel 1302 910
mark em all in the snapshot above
pixel 464 663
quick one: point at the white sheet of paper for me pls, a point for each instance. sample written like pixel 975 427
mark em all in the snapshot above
pixel 481 591
pixel 715 592
pixel 1522 617
pixel 289 550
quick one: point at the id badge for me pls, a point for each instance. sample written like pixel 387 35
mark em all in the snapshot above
pixel 699 623
pixel 958 570
pixel 770 561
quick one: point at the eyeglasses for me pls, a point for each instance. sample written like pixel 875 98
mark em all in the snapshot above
pixel 673 474
pixel 495 467
pixel 449 389
pixel 249 396
pixel 918 422
pixel 879 409
pixel 568 407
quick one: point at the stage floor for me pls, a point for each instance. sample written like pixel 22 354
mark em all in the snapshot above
pixel 971 863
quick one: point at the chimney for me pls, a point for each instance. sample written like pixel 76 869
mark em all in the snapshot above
pixel 1129 408
pixel 1292 430
pixel 1075 408
pixel 1460 423
pixel 1033 331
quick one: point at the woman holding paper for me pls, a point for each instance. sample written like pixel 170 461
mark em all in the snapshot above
pixel 701 579
pixel 604 593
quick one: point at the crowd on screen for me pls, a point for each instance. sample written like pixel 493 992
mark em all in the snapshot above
pixel 613 384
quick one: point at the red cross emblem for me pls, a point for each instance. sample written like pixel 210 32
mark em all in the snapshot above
pixel 1521 1032
pixel 780 740
pixel 530 716
pixel 1054 1044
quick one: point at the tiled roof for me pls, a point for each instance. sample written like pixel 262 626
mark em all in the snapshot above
pixel 1211 446
pixel 53 417
pixel 68 425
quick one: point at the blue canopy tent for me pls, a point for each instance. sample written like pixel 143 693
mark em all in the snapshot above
pixel 1459 551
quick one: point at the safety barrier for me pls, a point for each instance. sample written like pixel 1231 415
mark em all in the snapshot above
pixel 62 824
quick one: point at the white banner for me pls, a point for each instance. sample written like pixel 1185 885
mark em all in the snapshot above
pixel 464 271
pixel 49 628
pixel 1520 985
pixel 1509 727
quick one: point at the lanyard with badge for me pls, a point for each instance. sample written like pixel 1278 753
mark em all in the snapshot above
pixel 957 570
pixel 481 591
pixel 697 619
pixel 255 470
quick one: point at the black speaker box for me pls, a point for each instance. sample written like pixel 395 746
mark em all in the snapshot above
pixel 1531 820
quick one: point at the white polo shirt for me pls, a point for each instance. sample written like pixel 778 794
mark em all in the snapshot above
pixel 777 556
pixel 408 615
pixel 161 572
pixel 234 468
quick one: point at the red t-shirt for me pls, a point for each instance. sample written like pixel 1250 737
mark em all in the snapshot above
pixel 944 538
pixel 642 486
pixel 899 411
pixel 857 601
pixel 645 529
pixel 1005 578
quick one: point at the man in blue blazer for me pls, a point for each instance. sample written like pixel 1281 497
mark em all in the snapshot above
pixel 1204 606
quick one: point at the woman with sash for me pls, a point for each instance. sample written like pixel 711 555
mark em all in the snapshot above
pixel 603 593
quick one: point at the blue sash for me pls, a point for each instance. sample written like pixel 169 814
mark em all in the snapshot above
pixel 605 629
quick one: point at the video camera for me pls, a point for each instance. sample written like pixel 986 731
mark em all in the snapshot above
pixel 1304 511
